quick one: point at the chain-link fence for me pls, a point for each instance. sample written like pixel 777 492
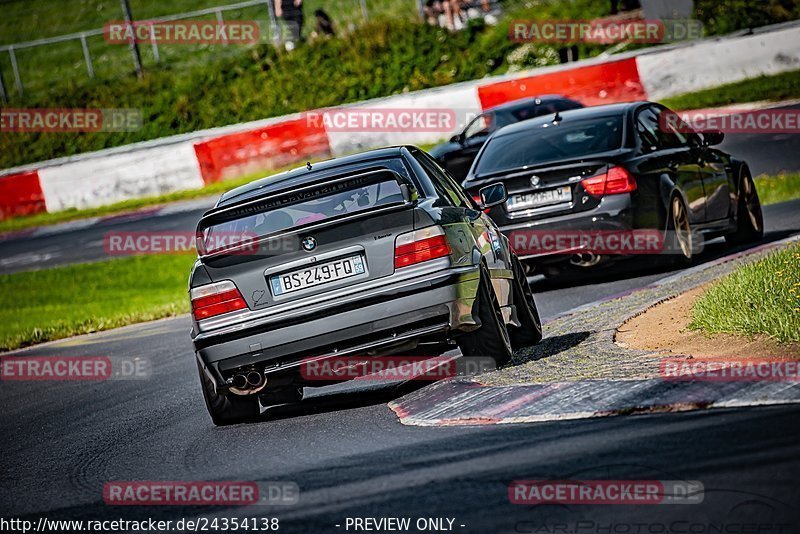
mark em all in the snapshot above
pixel 45 42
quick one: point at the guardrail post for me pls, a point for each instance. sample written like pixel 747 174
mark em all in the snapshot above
pixel 87 56
pixel 15 69
pixel 3 93
pixel 273 23
pixel 221 23
pixel 137 59
pixel 154 43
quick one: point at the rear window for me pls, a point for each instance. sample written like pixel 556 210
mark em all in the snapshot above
pixel 551 142
pixel 298 208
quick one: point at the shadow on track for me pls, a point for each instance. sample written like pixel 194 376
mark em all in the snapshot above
pixel 342 400
pixel 641 266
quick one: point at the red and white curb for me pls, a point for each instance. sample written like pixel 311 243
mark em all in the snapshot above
pixel 461 402
pixel 453 403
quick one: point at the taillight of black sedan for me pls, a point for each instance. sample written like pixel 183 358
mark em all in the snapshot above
pixel 602 183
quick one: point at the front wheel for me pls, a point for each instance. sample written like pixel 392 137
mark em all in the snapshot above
pixel 491 338
pixel 227 409
pixel 530 330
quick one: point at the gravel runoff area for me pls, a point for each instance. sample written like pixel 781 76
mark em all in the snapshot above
pixel 579 345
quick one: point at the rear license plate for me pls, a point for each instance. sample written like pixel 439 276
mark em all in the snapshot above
pixel 317 275
pixel 537 199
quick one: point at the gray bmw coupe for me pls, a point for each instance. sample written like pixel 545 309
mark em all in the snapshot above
pixel 376 254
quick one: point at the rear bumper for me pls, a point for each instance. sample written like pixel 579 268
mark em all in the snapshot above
pixel 614 214
pixel 431 306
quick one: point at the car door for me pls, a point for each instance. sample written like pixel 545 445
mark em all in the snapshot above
pixel 472 139
pixel 675 156
pixel 712 169
pixel 485 233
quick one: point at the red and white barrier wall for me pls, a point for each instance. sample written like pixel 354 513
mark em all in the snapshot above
pixel 193 160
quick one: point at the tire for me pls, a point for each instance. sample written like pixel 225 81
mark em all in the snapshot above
pixel 530 331
pixel 681 229
pixel 491 338
pixel 227 409
pixel 749 217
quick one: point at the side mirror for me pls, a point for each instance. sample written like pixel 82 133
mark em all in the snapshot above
pixel 458 138
pixel 493 195
pixel 713 138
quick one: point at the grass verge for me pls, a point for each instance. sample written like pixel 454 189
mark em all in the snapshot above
pixel 777 87
pixel 56 303
pixel 761 298
pixel 778 188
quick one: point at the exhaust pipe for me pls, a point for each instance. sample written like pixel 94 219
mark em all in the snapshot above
pixel 254 379
pixel 247 383
pixel 239 381
pixel 584 259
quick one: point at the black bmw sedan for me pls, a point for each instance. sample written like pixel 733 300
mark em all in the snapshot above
pixel 457 154
pixel 601 183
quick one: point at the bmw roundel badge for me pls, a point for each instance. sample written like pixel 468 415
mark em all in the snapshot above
pixel 309 243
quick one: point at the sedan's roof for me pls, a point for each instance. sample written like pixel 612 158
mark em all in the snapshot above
pixel 296 176
pixel 572 114
pixel 526 102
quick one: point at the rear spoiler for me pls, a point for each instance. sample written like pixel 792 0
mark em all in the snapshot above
pixel 294 195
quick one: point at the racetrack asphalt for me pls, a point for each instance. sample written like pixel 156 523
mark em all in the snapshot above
pixel 351 457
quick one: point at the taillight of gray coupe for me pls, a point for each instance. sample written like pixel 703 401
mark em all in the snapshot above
pixel 377 254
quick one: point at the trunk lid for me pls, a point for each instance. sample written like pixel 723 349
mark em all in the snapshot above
pixel 546 191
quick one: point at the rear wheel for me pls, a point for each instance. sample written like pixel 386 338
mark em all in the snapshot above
pixel 491 338
pixel 227 409
pixel 749 218
pixel 530 330
pixel 681 228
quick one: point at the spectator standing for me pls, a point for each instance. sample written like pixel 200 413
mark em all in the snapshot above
pixel 324 23
pixel 291 11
